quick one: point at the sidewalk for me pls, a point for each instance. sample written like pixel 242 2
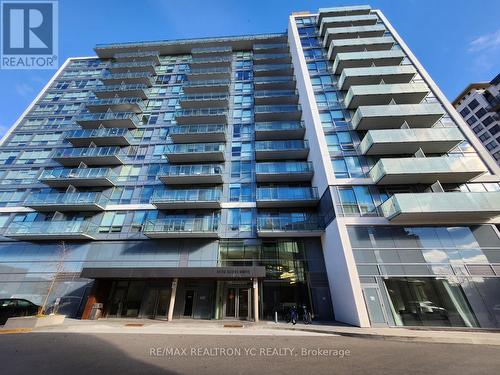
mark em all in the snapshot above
pixel 244 328
pixel 444 335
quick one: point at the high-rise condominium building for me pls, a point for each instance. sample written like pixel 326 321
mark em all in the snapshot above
pixel 235 177
pixel 479 105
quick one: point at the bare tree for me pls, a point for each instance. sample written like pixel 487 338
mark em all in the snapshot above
pixel 60 266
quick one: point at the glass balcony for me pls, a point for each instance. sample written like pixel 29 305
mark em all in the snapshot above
pixel 144 78
pixel 195 152
pixel 73 157
pixel 122 91
pixel 209 73
pixel 276 150
pixel 127 120
pixel 198 133
pixel 270 58
pixel 204 115
pixel 270 48
pixel 270 97
pixel 343 11
pixel 367 58
pixel 133 66
pixel 153 56
pixel 287 171
pixel 208 198
pixel 50 230
pixel 353 32
pixel 204 101
pixel 263 70
pixel 206 86
pixel 374 75
pixel 100 137
pixel 346 21
pixel 426 170
pixel 178 227
pixel 78 201
pixel 210 61
pixel 79 177
pixel 279 130
pixel 278 196
pixel 401 93
pixel 287 226
pixel 135 105
pixel 192 174
pixel 277 112
pixel 274 83
pixel 408 141
pixel 359 45
pixel 212 51
pixel 393 116
pixel 442 208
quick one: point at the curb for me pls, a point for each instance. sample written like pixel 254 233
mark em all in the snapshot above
pixel 15 330
pixel 373 336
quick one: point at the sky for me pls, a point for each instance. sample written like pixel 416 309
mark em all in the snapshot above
pixel 457 41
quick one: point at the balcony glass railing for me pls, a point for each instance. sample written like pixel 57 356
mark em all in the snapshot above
pixel 289 224
pixel 281 145
pixel 116 101
pixel 187 195
pixel 209 82
pixel 264 67
pixel 192 170
pixel 113 88
pixel 276 108
pixel 196 148
pixel 284 167
pixel 279 193
pixel 201 112
pixel 133 64
pixel 274 93
pixel 278 125
pixel 77 198
pixel 110 116
pixel 266 56
pixel 88 152
pixel 127 55
pixel 77 173
pixel 182 224
pixel 203 97
pixel 212 59
pixel 274 79
pixel 125 76
pixel 198 129
pixel 263 46
pixel 49 228
pixel 209 70
pixel 211 49
pixel 99 133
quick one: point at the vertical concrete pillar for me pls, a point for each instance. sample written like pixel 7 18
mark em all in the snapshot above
pixel 172 299
pixel 256 299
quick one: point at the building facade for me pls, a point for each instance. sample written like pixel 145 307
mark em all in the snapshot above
pixel 235 177
pixel 479 105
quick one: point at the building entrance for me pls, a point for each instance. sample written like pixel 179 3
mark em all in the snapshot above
pixel 237 302
pixel 156 302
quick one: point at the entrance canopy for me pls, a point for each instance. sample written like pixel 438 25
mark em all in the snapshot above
pixel 174 272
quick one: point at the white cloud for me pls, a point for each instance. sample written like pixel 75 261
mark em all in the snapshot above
pixel 23 89
pixel 486 41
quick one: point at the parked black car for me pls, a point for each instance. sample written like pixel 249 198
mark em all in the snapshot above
pixel 11 307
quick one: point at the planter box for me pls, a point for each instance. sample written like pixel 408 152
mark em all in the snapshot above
pixel 34 321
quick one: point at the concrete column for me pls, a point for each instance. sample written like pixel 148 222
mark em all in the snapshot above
pixel 172 299
pixel 256 299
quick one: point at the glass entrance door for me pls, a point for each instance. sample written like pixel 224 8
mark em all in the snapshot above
pixel 237 302
pixel 155 304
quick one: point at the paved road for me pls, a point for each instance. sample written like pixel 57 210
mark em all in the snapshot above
pixel 73 353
